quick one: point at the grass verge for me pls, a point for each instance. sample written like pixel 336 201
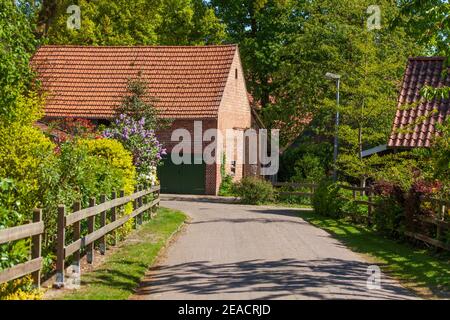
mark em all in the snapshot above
pixel 426 273
pixel 121 273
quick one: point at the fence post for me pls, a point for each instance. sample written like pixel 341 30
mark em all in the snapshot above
pixel 102 244
pixel 135 206
pixel 140 203
pixel 91 226
pixel 369 207
pixel 438 208
pixel 36 247
pixel 113 218
pixel 76 235
pixel 60 254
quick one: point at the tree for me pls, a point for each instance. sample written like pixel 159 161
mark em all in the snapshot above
pixel 17 44
pixel 138 105
pixel 138 22
pixel 428 21
pixel 334 38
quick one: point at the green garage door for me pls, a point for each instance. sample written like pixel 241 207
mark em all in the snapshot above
pixel 183 178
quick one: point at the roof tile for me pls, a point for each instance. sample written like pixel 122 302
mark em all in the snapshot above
pixel 420 71
pixel 88 81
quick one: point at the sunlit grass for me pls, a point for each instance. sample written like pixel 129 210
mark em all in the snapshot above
pixel 424 271
pixel 121 273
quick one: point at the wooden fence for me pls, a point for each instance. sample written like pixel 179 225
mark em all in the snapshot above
pixel 357 194
pixel 141 205
pixel 434 227
pixel 33 266
pixel 431 229
pixel 294 185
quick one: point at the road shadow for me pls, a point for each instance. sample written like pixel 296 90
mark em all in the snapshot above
pixel 313 279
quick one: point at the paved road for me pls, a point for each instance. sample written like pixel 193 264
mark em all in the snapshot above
pixel 230 251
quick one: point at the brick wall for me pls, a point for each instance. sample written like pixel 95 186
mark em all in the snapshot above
pixel 234 110
pixel 234 113
pixel 164 137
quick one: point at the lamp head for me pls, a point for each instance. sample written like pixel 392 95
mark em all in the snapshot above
pixel 332 76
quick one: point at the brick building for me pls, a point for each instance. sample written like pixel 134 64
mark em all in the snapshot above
pixel 186 84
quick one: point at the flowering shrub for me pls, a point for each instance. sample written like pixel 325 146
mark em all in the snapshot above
pixel 20 289
pixel 147 151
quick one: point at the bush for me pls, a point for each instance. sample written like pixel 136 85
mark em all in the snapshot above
pixel 327 200
pixel 226 186
pixel 27 157
pixel 143 144
pixel 20 289
pixel 254 190
pixel 118 159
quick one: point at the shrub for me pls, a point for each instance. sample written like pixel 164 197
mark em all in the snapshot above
pixel 389 213
pixel 226 186
pixel 141 142
pixel 20 289
pixel 327 200
pixel 117 157
pixel 254 190
pixel 90 168
pixel 27 157
pixel 309 168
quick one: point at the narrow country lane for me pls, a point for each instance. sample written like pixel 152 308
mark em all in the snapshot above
pixel 230 251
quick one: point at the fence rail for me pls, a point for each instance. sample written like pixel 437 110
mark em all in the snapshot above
pixel 141 205
pixel 295 185
pixel 33 266
pixel 418 225
pixel 415 227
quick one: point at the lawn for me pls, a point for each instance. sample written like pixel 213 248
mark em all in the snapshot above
pixel 121 273
pixel 423 271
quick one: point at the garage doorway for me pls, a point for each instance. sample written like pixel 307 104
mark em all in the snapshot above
pixel 183 178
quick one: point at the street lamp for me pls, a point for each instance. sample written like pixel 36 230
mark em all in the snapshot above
pixel 337 78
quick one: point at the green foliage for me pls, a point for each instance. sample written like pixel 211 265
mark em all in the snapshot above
pixel 388 215
pixel 27 157
pixel 306 160
pixel 440 154
pixel 253 190
pixel 428 22
pixel 309 168
pixel 138 105
pixel 17 44
pixel 226 186
pixel 326 200
pixel 20 289
pixel 118 158
pixel 139 22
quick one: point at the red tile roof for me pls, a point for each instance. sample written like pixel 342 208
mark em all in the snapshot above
pixel 420 72
pixel 89 82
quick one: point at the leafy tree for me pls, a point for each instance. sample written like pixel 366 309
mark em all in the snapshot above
pixel 17 44
pixel 428 21
pixel 260 27
pixel 334 38
pixel 138 105
pixel 138 22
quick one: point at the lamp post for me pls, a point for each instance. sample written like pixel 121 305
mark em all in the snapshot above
pixel 337 78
